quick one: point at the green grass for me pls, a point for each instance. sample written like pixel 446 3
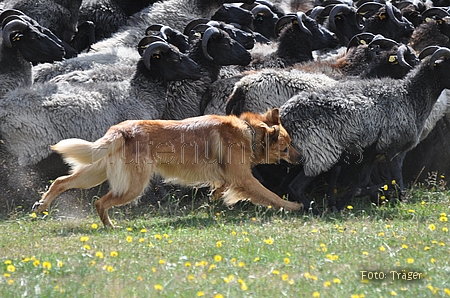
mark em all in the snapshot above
pixel 242 252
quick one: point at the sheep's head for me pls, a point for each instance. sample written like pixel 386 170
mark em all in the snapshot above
pixel 219 47
pixel 34 43
pixel 302 27
pixel 160 57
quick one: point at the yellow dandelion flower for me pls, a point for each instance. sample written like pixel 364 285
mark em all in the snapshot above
pixel 432 227
pixel 165 235
pixel 129 239
pixel 161 262
pixel 158 237
pixel 26 260
pixel 153 269
pixel 349 207
pixel 286 261
pixel 241 264
pixel 268 241
pixel 381 234
pixel 443 219
pixel 110 268
pixel 447 291
pixel 84 238
pixel 158 287
pixel 336 281
pixel 316 294
pixel 47 265
pixel 444 229
pixel 6 275
pixel 10 268
pixel 382 248
pixel 244 287
pixel 187 264
pixel 411 211
pixel 393 182
pixel 385 187
pixel 59 264
pixel 314 230
pixel 393 293
pixel 99 254
pixel 92 263
pixel 410 260
pixel 365 253
pixel 432 260
pixel 200 294
pixel 114 254
pixel 441 244
pixel 404 246
pixel 141 240
pixel 33 215
pixel 256 259
pixel 327 284
pixel 7 262
pixel 10 281
pixel 218 296
pixel 217 258
pixel 211 267
pixel 86 247
pixel 275 272
pixel 219 244
pixel 190 277
pixel 284 277
pixel 140 278
pixel 143 230
pixel 383 198
pixel 36 263
pixel 94 226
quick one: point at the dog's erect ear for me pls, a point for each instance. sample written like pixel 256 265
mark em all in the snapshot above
pixel 274 133
pixel 273 116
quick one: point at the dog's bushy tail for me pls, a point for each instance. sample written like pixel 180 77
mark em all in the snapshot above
pixel 78 152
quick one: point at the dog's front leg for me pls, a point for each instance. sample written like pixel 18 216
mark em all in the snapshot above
pixel 252 189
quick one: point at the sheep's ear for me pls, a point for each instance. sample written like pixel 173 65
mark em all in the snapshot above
pixel 273 116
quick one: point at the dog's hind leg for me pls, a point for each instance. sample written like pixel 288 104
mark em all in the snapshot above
pixel 125 187
pixel 253 190
pixel 84 177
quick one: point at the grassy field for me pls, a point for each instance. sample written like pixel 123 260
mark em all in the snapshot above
pixel 206 250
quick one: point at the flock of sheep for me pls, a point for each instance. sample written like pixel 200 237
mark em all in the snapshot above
pixel 361 85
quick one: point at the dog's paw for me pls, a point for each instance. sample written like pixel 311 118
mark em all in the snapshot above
pixel 38 206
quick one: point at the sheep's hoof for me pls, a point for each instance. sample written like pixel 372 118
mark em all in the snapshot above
pixel 38 206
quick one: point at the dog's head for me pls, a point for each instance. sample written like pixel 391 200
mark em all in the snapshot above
pixel 270 141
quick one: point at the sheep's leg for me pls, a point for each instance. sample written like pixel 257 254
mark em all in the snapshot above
pixel 335 172
pixel 84 177
pixel 296 189
pixel 358 190
pixel 395 164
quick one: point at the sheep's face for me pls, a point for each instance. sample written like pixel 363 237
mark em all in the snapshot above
pixel 226 51
pixel 36 46
pixel 175 66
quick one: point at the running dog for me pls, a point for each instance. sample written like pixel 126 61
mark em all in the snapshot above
pixel 211 150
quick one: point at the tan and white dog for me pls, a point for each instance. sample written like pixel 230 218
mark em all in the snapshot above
pixel 211 150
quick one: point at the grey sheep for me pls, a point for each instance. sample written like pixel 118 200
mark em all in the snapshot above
pixel 34 118
pixel 365 118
